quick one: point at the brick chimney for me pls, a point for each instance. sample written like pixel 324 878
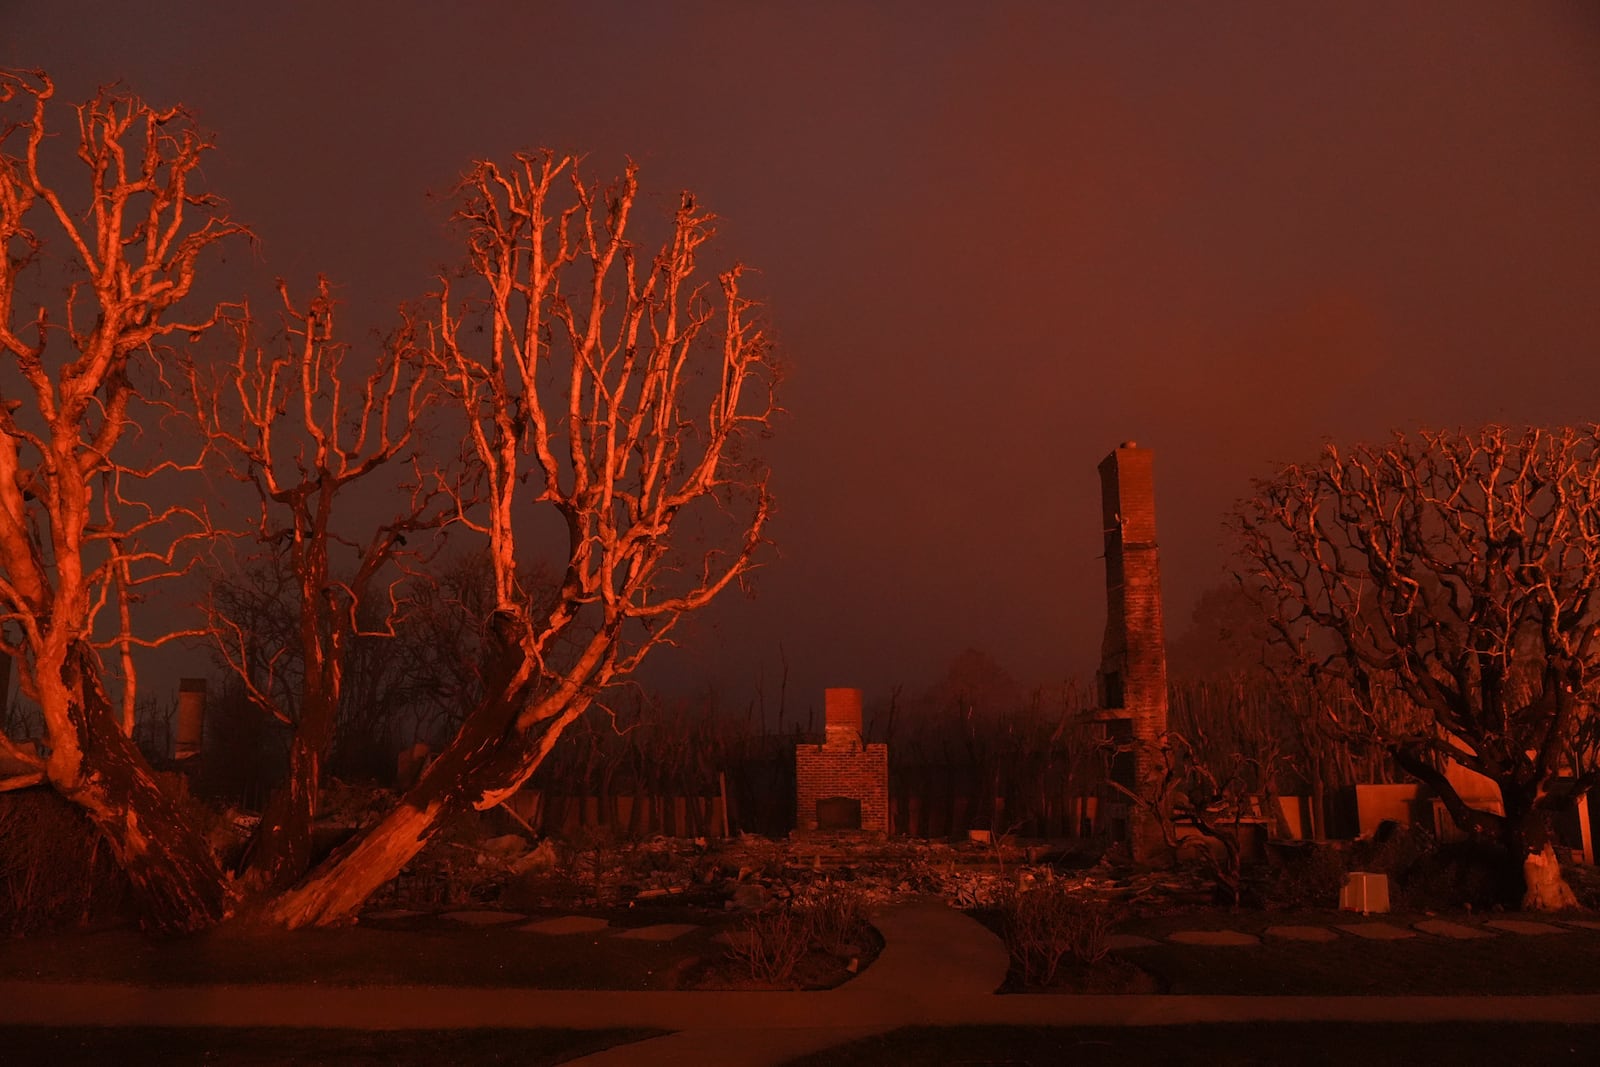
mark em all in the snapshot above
pixel 842 784
pixel 1133 657
pixel 842 714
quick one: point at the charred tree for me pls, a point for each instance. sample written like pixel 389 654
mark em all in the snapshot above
pixel 302 429
pixel 1447 582
pixel 616 392
pixel 82 535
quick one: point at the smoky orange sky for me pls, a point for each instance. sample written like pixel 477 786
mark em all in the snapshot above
pixel 996 239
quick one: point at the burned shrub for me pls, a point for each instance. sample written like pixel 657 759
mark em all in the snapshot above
pixel 1048 923
pixel 836 916
pixel 55 870
pixel 771 944
pixel 1306 876
pixel 822 923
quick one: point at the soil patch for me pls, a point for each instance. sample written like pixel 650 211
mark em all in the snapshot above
pixel 818 969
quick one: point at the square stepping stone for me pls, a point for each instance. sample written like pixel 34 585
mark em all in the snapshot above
pixel 483 918
pixel 1114 942
pixel 1524 926
pixel 566 924
pixel 1213 937
pixel 1302 933
pixel 658 932
pixel 1454 931
pixel 1376 931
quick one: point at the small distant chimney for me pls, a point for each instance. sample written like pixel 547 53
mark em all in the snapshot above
pixel 191 716
pixel 842 710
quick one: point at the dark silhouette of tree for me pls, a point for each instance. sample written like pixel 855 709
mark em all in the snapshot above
pixel 1447 582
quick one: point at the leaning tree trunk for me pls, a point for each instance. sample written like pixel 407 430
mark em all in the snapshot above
pixel 337 890
pixel 179 883
pixel 281 851
pixel 482 759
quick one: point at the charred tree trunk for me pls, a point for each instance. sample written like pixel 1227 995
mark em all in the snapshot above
pixel 178 881
pixel 281 852
pixel 481 758
pixel 1532 878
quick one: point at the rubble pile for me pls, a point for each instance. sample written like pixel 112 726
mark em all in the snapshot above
pixel 750 873
pixel 487 861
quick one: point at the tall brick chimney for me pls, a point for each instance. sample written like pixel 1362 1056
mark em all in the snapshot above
pixel 841 709
pixel 1133 657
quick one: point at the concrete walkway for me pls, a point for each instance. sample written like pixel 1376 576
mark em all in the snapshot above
pixel 934 958
pixel 938 967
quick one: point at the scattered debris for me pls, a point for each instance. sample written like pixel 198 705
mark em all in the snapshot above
pixel 472 867
pixel 544 857
pixel 505 846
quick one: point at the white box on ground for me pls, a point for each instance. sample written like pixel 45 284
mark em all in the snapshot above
pixel 1364 892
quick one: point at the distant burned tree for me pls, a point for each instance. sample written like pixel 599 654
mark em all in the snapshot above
pixel 83 535
pixel 304 429
pixel 616 393
pixel 446 634
pixel 1447 581
pixel 407 675
pixel 1202 802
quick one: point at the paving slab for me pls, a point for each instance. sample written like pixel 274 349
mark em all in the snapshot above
pixel 1213 937
pixel 1376 931
pixel 658 932
pixel 1114 942
pixel 1453 931
pixel 566 924
pixel 1301 933
pixel 484 918
pixel 1524 926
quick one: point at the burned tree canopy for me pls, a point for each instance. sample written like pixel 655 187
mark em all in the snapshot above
pixel 84 534
pixel 1449 580
pixel 584 366
pixel 609 394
